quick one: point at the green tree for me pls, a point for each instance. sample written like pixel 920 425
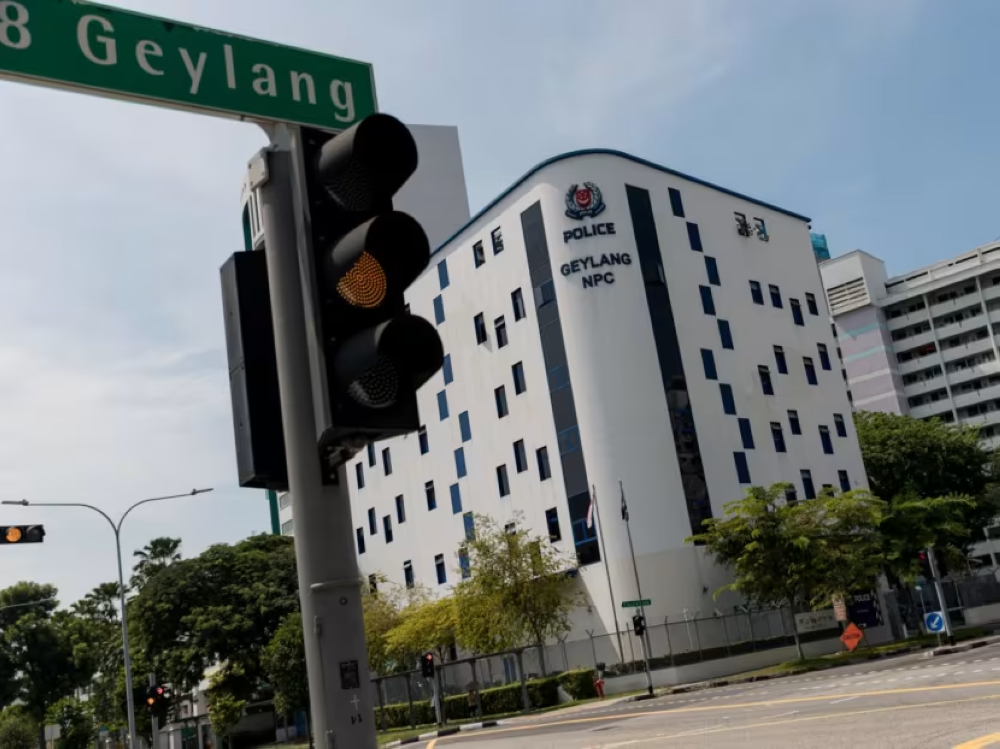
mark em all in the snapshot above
pixel 798 554
pixel 17 730
pixel 155 556
pixel 425 625
pixel 98 612
pixel 519 586
pixel 284 663
pixel 383 604
pixel 225 709
pixel 75 721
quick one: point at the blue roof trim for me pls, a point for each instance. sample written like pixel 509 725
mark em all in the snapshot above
pixel 620 154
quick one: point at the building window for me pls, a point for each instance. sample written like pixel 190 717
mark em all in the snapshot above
pixel 288 527
pixel 372 522
pixel 408 573
pixel 824 356
pixel 425 445
pixel 793 422
pixel 725 334
pixel 442 576
pixel 456 499
pixel 469 521
pixel 460 462
pixel 694 237
pixel 779 360
pixel 811 304
pixel 478 255
pixel 676 205
pixel 359 535
pixel 544 470
pixel 443 405
pixel 755 293
pixel 500 330
pixel 742 469
pixel 765 380
pixel 712 269
pixel 808 488
pixel 359 473
pixel 707 303
pixel 728 404
pixel 503 483
pixel 497 237
pixel 797 312
pixel 546 293
pixel 517 302
pixel 480 324
pixel 520 457
pixel 519 384
pixel 569 440
pixel 708 362
pixel 746 434
pixel 775 293
pixel 778 436
pixel 824 437
pixel 446 370
pixel 438 309
pixel 443 274
pixel 845 481
pixel 371 454
pixel 552 521
pixel 810 370
pixel 387 527
pixel 558 377
pixel 400 510
pixel 431 495
pixel 386 462
pixel 500 394
pixel 839 425
pixel 464 428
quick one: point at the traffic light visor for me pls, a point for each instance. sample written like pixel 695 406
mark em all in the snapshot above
pixel 379 258
pixel 380 364
pixel 368 163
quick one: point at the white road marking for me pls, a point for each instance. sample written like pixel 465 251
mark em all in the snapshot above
pixel 845 699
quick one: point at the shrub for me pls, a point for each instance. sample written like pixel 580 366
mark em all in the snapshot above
pixel 16 731
pixel 579 684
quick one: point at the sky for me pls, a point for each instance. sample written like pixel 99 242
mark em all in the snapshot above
pixel 876 119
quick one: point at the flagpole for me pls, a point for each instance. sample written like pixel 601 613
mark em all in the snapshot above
pixel 607 570
pixel 644 639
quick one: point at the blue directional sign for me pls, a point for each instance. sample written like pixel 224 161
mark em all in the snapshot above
pixel 934 621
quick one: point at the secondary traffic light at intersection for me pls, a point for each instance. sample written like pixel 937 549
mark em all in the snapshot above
pixel 21 534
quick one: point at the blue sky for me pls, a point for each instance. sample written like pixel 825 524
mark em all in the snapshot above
pixel 875 118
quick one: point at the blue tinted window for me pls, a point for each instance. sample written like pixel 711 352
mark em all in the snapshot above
pixel 824 438
pixel 464 564
pixel 708 362
pixel 400 509
pixel 746 434
pixel 443 405
pixel 725 334
pixel 845 482
pixel 469 521
pixel 765 380
pixel 359 473
pixel 755 292
pixel 808 488
pixel 425 445
pixel 569 440
pixel 779 360
pixel 503 483
pixel 728 404
pixel 460 462
pixel 456 499
pixel 742 469
pixel 712 269
pixel 793 422
pixel 694 237
pixel 438 309
pixel 387 527
pixel 779 437
pixel 775 293
pixel 797 312
pixel 838 422
pixel 500 394
pixel 675 202
pixel 807 363
pixel 443 274
pixel 431 495
pixel 446 370
pixel 463 426
pixel 707 303
pixel 824 356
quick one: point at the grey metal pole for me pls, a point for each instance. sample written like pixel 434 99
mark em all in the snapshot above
pixel 642 609
pixel 940 594
pixel 607 570
pixel 130 698
pixel 329 580
pixel 155 720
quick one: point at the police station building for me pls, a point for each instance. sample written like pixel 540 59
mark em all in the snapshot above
pixel 606 319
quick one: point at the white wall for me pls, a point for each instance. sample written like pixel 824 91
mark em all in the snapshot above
pixel 436 194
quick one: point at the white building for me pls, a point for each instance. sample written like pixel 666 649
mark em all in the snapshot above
pixel 923 343
pixel 609 319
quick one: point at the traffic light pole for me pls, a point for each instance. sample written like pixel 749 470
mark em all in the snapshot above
pixel 155 718
pixel 644 639
pixel 329 581
pixel 940 594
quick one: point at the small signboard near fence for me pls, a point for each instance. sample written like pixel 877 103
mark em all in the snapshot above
pixel 816 621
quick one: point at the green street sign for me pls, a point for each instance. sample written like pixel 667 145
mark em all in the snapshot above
pixel 111 52
pixel 636 604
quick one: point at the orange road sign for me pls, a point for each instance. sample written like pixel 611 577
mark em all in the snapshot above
pixel 851 636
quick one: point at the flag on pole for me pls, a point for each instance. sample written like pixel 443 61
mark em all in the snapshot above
pixel 624 504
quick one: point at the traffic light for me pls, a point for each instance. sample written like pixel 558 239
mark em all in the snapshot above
pixel 365 255
pixel 22 534
pixel 925 566
pixel 639 624
pixel 156 700
pixel 427 665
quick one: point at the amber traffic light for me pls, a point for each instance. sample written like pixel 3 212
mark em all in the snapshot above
pixel 22 534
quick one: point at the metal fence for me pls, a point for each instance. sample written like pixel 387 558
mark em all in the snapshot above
pixel 906 607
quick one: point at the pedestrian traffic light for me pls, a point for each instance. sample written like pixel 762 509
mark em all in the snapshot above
pixel 427 665
pixel 639 624
pixel 22 534
pixel 365 255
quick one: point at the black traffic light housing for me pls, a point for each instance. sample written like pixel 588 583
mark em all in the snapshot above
pixel 639 625
pixel 22 534
pixel 925 566
pixel 427 665
pixel 157 700
pixel 375 354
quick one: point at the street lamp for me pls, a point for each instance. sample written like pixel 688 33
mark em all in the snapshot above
pixel 117 528
pixel 29 603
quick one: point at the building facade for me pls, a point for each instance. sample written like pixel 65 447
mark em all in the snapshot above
pixel 608 320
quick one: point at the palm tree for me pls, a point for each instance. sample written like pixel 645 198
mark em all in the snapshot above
pixel 155 556
pixel 101 603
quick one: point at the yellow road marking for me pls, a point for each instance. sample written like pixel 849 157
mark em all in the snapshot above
pixel 982 741
pixel 431 745
pixel 766 703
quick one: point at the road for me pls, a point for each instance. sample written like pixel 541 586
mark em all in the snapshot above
pixel 904 703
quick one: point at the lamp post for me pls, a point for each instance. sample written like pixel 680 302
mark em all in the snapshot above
pixel 29 603
pixel 117 528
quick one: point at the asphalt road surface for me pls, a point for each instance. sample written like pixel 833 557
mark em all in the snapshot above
pixel 950 702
